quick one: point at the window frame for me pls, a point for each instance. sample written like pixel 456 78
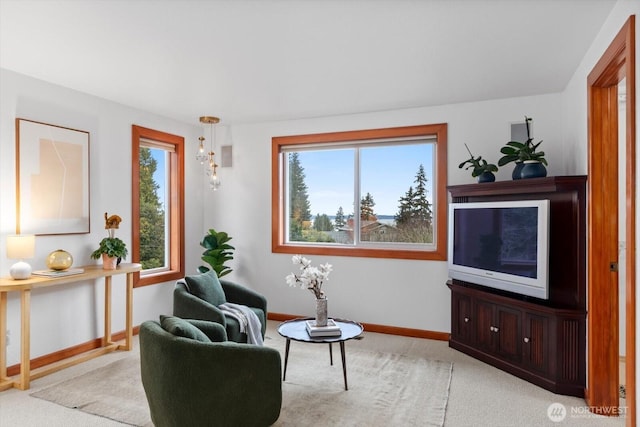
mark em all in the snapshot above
pixel 278 227
pixel 175 206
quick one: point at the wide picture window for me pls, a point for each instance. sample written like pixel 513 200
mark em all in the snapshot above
pixel 376 193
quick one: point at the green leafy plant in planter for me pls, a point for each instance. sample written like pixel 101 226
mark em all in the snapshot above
pixel 481 168
pixel 112 247
pixel 217 252
pixel 521 152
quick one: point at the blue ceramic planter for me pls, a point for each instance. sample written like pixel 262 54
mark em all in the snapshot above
pixel 517 171
pixel 486 177
pixel 533 169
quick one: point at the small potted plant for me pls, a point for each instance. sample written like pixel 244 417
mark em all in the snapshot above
pixel 481 168
pixel 525 155
pixel 111 249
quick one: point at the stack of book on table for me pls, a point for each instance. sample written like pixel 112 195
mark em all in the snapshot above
pixel 331 330
pixel 58 273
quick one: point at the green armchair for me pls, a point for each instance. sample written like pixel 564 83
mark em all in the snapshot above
pixel 192 377
pixel 198 297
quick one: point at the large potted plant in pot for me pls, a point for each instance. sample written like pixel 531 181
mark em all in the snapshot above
pixel 529 162
pixel 217 252
pixel 111 249
pixel 481 168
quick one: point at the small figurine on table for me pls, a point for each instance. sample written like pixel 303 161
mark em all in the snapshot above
pixel 112 223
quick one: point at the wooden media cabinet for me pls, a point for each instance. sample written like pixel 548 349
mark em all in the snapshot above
pixel 541 341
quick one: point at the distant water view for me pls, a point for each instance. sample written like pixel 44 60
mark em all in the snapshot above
pixel 382 219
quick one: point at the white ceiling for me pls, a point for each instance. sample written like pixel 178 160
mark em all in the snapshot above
pixel 247 61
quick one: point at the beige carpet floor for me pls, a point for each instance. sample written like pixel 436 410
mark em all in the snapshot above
pixel 385 389
pixel 479 396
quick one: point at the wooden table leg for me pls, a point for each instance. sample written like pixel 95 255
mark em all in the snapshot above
pixel 129 313
pixel 344 365
pixel 25 339
pixel 106 339
pixel 3 335
pixel 286 359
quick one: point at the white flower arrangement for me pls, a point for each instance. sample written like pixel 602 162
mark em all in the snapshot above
pixel 311 278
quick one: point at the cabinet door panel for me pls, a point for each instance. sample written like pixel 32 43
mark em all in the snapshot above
pixel 463 322
pixel 484 325
pixel 536 342
pixel 509 334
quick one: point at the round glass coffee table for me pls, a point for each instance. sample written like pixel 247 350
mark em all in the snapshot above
pixel 296 329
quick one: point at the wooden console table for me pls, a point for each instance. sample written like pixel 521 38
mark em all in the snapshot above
pixel 91 272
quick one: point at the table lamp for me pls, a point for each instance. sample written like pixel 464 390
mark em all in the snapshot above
pixel 21 247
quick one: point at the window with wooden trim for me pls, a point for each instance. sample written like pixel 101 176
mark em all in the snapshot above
pixel 369 193
pixel 157 205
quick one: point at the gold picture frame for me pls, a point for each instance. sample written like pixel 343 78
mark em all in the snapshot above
pixel 52 179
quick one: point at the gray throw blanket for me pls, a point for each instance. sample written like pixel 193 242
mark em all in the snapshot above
pixel 249 321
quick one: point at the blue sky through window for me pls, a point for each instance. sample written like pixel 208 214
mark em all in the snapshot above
pixel 387 172
pixel 161 172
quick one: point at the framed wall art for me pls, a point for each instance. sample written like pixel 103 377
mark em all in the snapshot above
pixel 52 179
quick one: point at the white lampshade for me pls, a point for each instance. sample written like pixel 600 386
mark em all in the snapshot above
pixel 21 247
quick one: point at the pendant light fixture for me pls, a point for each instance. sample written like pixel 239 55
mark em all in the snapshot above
pixel 211 167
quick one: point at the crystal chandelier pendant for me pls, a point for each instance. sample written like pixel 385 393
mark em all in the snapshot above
pixel 201 155
pixel 214 181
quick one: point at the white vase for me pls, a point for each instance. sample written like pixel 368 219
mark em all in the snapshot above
pixel 321 311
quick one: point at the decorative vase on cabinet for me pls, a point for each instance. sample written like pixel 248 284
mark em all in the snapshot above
pixel 517 170
pixel 533 169
pixel 486 177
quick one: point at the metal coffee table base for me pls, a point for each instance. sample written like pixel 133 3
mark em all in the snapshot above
pixel 296 330
pixel 344 362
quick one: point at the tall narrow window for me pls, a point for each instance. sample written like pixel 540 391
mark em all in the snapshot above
pixel 377 193
pixel 157 205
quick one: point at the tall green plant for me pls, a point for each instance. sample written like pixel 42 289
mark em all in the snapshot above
pixel 217 252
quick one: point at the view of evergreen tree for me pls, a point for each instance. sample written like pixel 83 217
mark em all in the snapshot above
pixel 300 208
pixel 366 208
pixel 340 221
pixel 152 215
pixel 406 207
pixel 421 206
pixel 322 223
pixel 414 219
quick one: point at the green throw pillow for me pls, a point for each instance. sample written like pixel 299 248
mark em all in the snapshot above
pixel 206 286
pixel 181 328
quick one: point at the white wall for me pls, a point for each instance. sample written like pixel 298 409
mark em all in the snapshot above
pixel 72 314
pixel 574 112
pixel 402 293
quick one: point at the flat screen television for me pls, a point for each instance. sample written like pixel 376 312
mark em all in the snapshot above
pixel 503 245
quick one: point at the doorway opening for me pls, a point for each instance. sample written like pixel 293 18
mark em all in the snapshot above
pixel 615 65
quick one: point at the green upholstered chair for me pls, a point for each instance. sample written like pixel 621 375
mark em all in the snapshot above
pixel 192 377
pixel 198 297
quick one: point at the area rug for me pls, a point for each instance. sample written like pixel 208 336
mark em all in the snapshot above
pixel 385 389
